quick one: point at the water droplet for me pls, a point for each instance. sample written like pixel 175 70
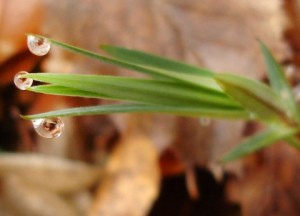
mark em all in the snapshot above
pixel 22 83
pixel 37 45
pixel 49 127
pixel 205 122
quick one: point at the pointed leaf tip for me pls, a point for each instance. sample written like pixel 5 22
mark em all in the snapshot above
pixel 259 141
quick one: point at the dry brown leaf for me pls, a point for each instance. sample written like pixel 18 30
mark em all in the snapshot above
pixel 219 35
pixel 17 19
pixel 21 62
pixel 132 180
pixel 53 173
pixel 270 184
pixel 21 198
pixel 82 201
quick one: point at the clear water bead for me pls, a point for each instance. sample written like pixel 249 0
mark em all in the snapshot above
pixel 48 127
pixel 37 45
pixel 22 83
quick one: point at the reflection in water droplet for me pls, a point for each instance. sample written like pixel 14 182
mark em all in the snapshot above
pixel 37 45
pixel 204 122
pixel 49 127
pixel 22 83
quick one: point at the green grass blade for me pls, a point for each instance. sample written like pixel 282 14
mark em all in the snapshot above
pixel 280 84
pixel 137 90
pixel 254 96
pixel 65 91
pixel 197 80
pixel 275 72
pixel 259 141
pixel 153 61
pixel 211 112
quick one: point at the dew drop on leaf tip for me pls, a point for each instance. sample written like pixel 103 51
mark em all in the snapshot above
pixel 22 83
pixel 48 127
pixel 38 45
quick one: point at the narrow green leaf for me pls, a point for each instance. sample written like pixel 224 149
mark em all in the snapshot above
pixel 197 80
pixel 64 91
pixel 259 141
pixel 153 61
pixel 137 90
pixel 280 84
pixel 254 96
pixel 211 112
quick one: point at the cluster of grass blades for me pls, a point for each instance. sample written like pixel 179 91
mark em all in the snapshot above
pixel 180 89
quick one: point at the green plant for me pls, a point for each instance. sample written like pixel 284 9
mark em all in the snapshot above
pixel 181 89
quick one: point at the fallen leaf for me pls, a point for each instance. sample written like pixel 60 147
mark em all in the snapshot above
pixel 17 20
pixel 132 180
pixel 270 179
pixel 53 173
pixel 21 198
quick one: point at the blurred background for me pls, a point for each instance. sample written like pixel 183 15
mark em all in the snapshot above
pixel 139 165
